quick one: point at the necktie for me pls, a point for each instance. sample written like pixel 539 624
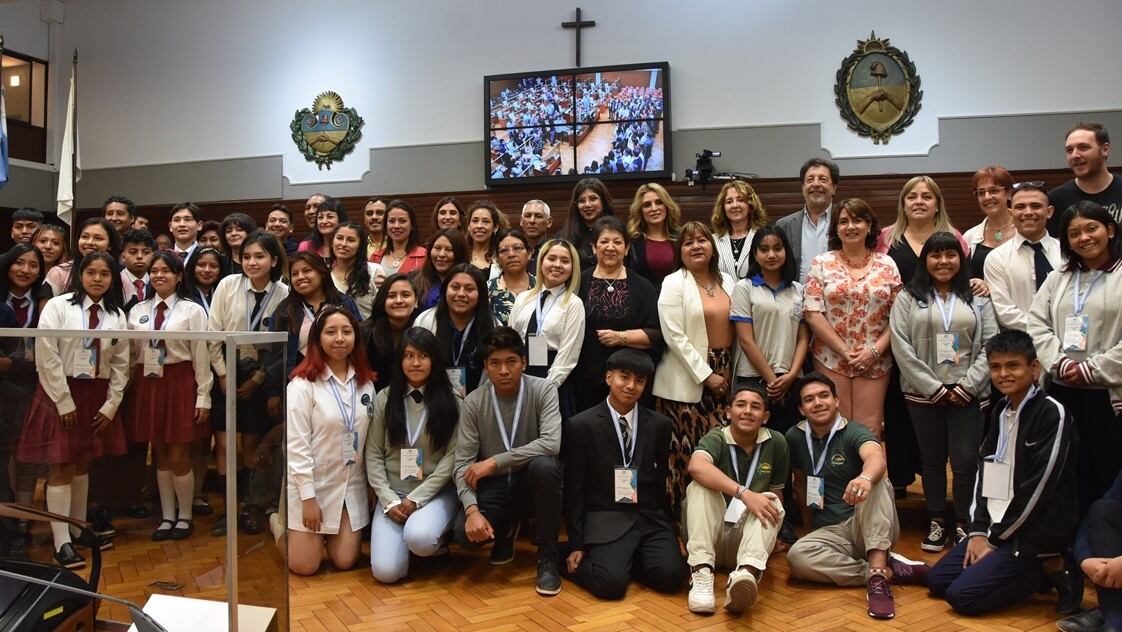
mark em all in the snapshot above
pixel 258 297
pixel 625 430
pixel 182 256
pixel 417 395
pixel 21 306
pixel 1040 263
pixel 139 289
pixel 161 312
pixel 94 321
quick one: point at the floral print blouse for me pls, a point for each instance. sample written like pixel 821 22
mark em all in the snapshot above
pixel 857 309
pixel 502 299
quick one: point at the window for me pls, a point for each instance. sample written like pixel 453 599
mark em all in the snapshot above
pixel 25 97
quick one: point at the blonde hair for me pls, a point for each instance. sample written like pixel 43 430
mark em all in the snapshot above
pixel 942 220
pixel 757 217
pixel 637 225
pixel 573 285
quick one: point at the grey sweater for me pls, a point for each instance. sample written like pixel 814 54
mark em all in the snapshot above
pixel 538 434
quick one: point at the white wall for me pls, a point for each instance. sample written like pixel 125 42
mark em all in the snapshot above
pixel 22 29
pixel 167 81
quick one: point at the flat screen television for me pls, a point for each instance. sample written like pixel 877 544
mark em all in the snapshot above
pixel 611 122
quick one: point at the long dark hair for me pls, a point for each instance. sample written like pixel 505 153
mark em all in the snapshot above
pixel 1088 210
pixel 496 225
pixel 789 273
pixel 414 238
pixel 243 221
pixel 921 286
pixel 334 205
pixel 176 266
pixel 358 277
pixel 293 305
pixel 115 246
pixel 440 401
pixel 575 224
pixel 9 259
pixel 377 333
pixel 272 246
pixel 111 300
pixel 190 283
pixel 484 322
pixel 428 277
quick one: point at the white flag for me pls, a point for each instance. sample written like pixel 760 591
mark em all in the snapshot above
pixel 70 170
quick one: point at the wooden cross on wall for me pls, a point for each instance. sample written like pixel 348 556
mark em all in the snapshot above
pixel 578 24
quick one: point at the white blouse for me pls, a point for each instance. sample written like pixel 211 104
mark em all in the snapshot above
pixel 54 357
pixel 230 308
pixel 316 468
pixel 563 327
pixel 365 302
pixel 181 315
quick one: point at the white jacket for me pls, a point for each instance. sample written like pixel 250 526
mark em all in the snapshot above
pixel 685 365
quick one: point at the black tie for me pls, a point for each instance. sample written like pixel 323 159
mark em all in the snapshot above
pixel 417 395
pixel 1040 263
pixel 258 297
pixel 625 430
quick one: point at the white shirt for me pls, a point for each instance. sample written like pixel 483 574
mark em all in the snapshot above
pixel 1011 277
pixel 190 250
pixel 735 268
pixel 315 451
pixel 128 284
pixel 228 311
pixel 629 417
pixel 563 327
pixel 995 506
pixel 815 239
pixel 54 357
pixel 365 302
pixel 181 315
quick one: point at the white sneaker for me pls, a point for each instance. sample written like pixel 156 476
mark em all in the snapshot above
pixel 701 599
pixel 741 591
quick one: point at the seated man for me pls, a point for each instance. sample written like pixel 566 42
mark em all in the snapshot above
pixel 506 458
pixel 733 509
pixel 839 477
pixel 1026 501
pixel 1099 549
pixel 617 457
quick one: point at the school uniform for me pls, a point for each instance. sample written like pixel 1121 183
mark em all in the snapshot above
pixel 161 404
pixel 462 353
pixel 321 413
pixel 134 289
pixel 364 303
pixel 562 327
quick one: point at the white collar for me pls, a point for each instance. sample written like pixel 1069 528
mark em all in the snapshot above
pixel 629 415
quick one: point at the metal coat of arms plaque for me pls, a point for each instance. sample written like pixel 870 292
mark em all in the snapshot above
pixel 328 131
pixel 877 90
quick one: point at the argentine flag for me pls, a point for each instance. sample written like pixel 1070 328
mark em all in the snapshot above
pixel 3 141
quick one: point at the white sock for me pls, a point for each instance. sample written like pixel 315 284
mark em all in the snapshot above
pixel 58 502
pixel 184 493
pixel 167 494
pixel 79 496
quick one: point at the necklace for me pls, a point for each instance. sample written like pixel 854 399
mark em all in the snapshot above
pixel 710 290
pixel 998 235
pixel 607 281
pixel 864 263
pixel 396 259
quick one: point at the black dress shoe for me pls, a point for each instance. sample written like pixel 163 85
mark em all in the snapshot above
pixel 200 507
pixel 68 557
pixel 137 512
pixel 219 528
pixel 1069 588
pixel 163 533
pixel 252 520
pixel 1086 621
pixel 182 533
pixel 549 580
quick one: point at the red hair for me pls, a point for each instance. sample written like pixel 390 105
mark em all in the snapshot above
pixel 996 173
pixel 314 364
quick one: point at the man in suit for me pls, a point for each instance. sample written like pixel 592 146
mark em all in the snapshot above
pixel 806 229
pixel 617 508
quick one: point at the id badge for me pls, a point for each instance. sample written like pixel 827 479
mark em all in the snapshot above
pixel 735 511
pixel 1075 333
pixel 626 485
pixel 350 447
pixel 153 362
pixel 412 462
pixel 815 492
pixel 996 479
pixel 946 348
pixel 458 378
pixel 538 350
pixel 85 363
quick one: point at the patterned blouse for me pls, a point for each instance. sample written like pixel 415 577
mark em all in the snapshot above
pixel 502 299
pixel 857 309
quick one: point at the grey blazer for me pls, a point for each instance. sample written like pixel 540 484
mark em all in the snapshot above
pixel 792 226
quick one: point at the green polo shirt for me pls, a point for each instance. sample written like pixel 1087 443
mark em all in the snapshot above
pixel 772 469
pixel 843 464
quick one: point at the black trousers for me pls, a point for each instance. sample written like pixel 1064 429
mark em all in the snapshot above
pixel 503 500
pixel 1099 430
pixel 899 435
pixel 1104 534
pixel 648 552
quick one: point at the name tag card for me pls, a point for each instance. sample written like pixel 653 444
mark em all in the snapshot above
pixel 458 378
pixel 946 349
pixel 84 363
pixel 538 350
pixel 412 464
pixel 350 447
pixel 815 492
pixel 997 478
pixel 626 485
pixel 735 511
pixel 153 362
pixel 1075 333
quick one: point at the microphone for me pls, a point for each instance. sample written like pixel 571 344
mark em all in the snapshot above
pixel 143 621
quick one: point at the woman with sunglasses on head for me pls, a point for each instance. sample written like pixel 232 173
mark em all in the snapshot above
pixel 409 458
pixel 351 273
pixel 169 402
pixel 329 404
pixel 395 307
pixel 73 415
pixel 446 249
pixel 329 215
pixel 513 260
pixel 461 321
pixel 403 251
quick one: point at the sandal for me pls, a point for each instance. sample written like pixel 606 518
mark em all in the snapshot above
pixel 161 534
pixel 182 533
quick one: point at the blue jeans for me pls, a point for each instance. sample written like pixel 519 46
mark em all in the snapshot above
pixel 998 580
pixel 422 534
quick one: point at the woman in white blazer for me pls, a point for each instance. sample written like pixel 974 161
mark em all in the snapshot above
pixel 692 381
pixel 737 214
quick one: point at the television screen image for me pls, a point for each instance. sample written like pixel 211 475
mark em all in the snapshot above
pixel 611 122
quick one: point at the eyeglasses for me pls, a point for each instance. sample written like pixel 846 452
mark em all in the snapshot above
pixel 994 191
pixel 512 250
pixel 1035 184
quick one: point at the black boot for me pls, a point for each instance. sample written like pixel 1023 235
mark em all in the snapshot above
pixel 1068 584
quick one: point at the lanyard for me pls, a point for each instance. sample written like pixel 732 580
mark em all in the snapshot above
pixel 627 458
pixel 947 312
pixel 30 309
pixel 167 317
pixel 517 413
pixel 202 299
pixel 751 468
pixel 541 312
pixel 1079 301
pixel 459 353
pixel 413 435
pixel 254 322
pixel 810 450
pixel 1004 433
pixel 88 342
pixel 348 419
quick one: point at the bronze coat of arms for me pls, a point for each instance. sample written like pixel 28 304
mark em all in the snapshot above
pixel 328 131
pixel 877 90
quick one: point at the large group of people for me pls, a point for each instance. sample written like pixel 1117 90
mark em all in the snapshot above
pixel 677 395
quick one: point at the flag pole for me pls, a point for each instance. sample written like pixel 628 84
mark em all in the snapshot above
pixel 74 149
